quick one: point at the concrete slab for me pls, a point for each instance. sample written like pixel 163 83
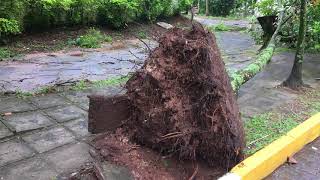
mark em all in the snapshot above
pixel 62 114
pixel 27 121
pixel 14 104
pixel 69 157
pixel 4 131
pixel 13 150
pixel 78 127
pixel 48 101
pixel 45 140
pixel 30 169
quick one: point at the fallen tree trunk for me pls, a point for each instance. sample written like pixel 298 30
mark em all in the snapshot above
pixel 242 76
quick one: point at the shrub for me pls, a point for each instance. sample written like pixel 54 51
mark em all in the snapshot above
pixel 83 12
pixel 4 53
pixel 8 27
pixel 117 13
pixel 92 39
pixel 184 5
pixel 153 9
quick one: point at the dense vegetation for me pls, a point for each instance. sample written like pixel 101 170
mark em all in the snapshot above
pixel 33 15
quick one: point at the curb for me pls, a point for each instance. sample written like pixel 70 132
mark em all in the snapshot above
pixel 265 161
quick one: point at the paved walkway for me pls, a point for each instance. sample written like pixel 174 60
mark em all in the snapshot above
pixel 307 168
pixel 42 137
pixel 35 71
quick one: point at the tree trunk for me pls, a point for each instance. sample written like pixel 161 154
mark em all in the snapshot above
pixel 294 81
pixel 207 7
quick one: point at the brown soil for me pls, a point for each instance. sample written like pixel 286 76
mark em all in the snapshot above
pixel 183 103
pixel 145 163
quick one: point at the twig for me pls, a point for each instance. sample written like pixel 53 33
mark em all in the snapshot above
pixel 144 44
pixel 169 134
pixel 194 173
pixel 258 139
pixel 135 55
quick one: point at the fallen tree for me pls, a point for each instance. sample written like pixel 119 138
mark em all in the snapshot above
pixel 243 75
pixel 183 103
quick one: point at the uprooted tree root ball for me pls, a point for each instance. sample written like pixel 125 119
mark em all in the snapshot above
pixel 183 103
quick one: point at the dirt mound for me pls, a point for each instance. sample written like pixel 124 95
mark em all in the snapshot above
pixel 183 103
pixel 144 163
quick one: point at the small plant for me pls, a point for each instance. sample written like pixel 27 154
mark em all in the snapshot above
pixel 81 85
pixel 142 35
pixel 219 27
pixel 5 53
pixel 92 39
pixel 108 39
pixel 23 95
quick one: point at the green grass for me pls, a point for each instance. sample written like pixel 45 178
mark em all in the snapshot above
pixel 263 129
pixel 92 39
pixel 82 85
pixel 142 35
pixel 220 27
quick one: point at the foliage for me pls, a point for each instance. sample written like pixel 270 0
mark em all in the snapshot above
pixel 218 7
pixel 267 7
pixel 92 39
pixel 142 35
pixel 8 27
pixel 40 15
pixel 220 27
pixel 117 13
pixel 290 30
pixel 4 53
pixel 184 5
pixel 153 9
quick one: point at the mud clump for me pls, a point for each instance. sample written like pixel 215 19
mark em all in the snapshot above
pixel 183 103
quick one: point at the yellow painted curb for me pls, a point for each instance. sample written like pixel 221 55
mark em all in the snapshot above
pixel 265 161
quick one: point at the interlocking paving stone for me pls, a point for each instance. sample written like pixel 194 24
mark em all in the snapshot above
pixel 48 101
pixel 63 114
pixel 30 169
pixel 48 139
pixel 69 157
pixel 13 150
pixel 4 131
pixel 14 105
pixel 27 121
pixel 79 127
pixel 77 96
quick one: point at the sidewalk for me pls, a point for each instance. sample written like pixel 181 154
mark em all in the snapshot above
pixel 307 168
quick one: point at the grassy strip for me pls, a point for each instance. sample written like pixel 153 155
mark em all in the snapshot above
pixel 263 129
pixel 81 85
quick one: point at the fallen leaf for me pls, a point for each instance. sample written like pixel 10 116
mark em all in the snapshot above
pixel 314 148
pixel 291 160
pixel 8 113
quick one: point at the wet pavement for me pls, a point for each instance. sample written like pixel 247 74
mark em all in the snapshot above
pixel 214 21
pixel 44 137
pixel 307 168
pixel 35 71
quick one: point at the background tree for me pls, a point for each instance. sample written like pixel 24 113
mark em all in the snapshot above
pixel 294 80
pixel 207 7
